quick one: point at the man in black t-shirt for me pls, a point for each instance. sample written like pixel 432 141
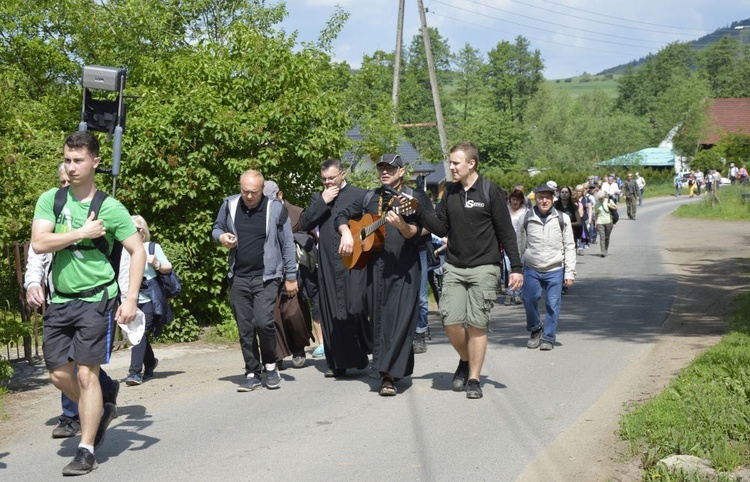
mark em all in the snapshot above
pixel 473 214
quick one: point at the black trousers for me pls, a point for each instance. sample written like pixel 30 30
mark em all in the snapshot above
pixel 253 301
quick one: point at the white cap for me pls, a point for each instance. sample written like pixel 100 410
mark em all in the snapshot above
pixel 136 328
pixel 552 184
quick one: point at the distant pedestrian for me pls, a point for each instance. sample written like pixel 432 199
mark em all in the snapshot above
pixel 630 190
pixel 603 217
pixel 641 182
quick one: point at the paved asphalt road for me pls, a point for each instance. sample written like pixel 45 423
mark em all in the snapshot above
pixel 189 423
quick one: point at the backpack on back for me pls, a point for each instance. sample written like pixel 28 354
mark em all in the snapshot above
pixel 170 283
pixel 113 256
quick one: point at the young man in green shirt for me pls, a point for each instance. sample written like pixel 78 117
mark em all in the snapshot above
pixel 80 321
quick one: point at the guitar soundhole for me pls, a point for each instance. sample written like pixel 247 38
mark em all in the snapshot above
pixel 362 235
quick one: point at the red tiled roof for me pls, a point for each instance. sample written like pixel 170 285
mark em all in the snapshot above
pixel 727 115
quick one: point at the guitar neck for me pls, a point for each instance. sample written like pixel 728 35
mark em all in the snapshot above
pixel 377 224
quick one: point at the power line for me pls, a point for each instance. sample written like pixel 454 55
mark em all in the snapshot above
pixel 605 23
pixel 534 38
pixel 554 32
pixel 624 19
pixel 605 34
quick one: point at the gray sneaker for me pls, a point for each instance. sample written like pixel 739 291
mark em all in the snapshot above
pixel 535 339
pixel 546 346
pixel 298 360
pixel 273 379
pixel 251 383
pixel 66 427
pixel 420 343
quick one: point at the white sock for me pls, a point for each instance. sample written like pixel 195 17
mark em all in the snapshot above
pixel 250 375
pixel 270 367
pixel 90 448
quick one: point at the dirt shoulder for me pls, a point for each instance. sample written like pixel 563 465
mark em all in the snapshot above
pixel 707 261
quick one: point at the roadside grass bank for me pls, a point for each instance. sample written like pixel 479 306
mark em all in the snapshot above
pixel 728 205
pixel 705 410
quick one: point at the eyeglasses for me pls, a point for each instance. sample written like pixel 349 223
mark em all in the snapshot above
pixel 331 178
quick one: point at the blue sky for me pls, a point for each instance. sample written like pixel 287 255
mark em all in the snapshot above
pixel 573 36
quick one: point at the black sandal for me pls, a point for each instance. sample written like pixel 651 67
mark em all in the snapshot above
pixel 386 388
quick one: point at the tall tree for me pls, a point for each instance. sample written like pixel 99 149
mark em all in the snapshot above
pixel 514 75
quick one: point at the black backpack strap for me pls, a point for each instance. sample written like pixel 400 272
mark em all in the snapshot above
pixel 61 197
pixel 366 201
pixel 151 247
pixel 96 206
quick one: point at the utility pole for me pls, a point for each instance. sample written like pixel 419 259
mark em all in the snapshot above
pixel 397 60
pixel 435 93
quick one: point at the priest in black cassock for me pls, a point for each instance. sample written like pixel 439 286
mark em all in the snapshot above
pixel 393 274
pixel 346 327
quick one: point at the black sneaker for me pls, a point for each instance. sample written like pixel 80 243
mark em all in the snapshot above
pixel 66 427
pixel 473 390
pixel 83 463
pixel 461 376
pixel 419 344
pixel 108 414
pixel 148 372
pixel 273 379
pixel 535 339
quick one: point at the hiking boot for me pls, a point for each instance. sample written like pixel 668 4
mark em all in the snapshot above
pixel 66 427
pixel 148 372
pixel 518 300
pixel 319 352
pixel 273 379
pixel 133 380
pixel 108 414
pixel 546 346
pixel 419 345
pixel 298 360
pixel 461 376
pixel 473 390
pixel 83 463
pixel 535 339
pixel 251 383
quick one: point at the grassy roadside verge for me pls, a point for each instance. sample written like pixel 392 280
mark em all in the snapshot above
pixel 705 411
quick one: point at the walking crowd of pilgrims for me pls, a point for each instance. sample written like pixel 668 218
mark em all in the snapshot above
pixel 350 271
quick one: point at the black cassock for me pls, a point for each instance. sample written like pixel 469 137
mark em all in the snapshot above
pixel 393 278
pixel 341 294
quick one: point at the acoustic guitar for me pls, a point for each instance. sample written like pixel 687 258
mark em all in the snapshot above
pixel 369 234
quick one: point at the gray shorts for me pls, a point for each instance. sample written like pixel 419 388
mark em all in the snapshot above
pixel 78 331
pixel 468 294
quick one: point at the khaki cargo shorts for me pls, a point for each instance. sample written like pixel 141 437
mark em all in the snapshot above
pixel 468 294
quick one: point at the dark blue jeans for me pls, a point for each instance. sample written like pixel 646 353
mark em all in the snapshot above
pixel 533 283
pixel 142 353
pixel 70 408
